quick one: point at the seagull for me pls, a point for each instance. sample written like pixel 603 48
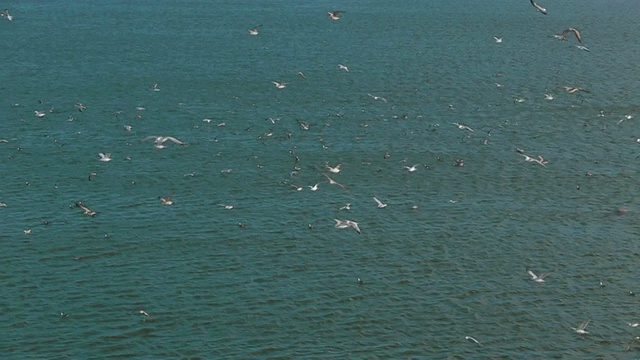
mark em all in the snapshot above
pixel 412 168
pixel 301 74
pixel 314 187
pixel 538 7
pixel 93 174
pixel 343 224
pixel 166 201
pixel 346 206
pixel 343 67
pixel 540 160
pixel 573 89
pixel 381 205
pixel 548 97
pixel 80 106
pixel 27 231
pixel 537 278
pixel 634 324
pixel 128 127
pixel 463 127
pixel 574 31
pixel 377 98
pixel 303 125
pixel 160 140
pixel 84 208
pixel 255 30
pixel 40 114
pixel 335 15
pixel 155 87
pixel 472 339
pixel 581 47
pixel 626 117
pixel 5 14
pixel 279 85
pixel 145 314
pixel 297 187
pixel 333 182
pixel 104 157
pixel 497 39
pixel 581 329
pixel 334 170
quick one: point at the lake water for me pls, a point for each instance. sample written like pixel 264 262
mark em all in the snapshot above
pixel 271 277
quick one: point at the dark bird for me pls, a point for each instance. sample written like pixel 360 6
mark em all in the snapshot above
pixel 574 31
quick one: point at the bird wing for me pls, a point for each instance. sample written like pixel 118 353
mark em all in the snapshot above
pixel 533 276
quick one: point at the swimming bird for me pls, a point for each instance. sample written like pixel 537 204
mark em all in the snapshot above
pixel 335 15
pixel 333 182
pixel 343 67
pixel 335 169
pixel 634 324
pixel 380 204
pixel 538 7
pixel 279 85
pixel 574 31
pixel 160 140
pixel 343 224
pixel 255 31
pixel 497 39
pixel 582 328
pixel 537 278
pixel 166 200
pixel 85 209
pixel 5 14
pixel 40 114
pixel 104 157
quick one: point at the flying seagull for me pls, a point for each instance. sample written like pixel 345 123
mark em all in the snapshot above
pixel 574 31
pixel 335 15
pixel 538 7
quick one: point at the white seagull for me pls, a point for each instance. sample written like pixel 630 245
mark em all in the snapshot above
pixel 314 187
pixel 5 14
pixel 255 31
pixel 279 85
pixel 343 224
pixel 335 169
pixel 380 204
pixel 377 98
pixel 411 168
pixel 335 15
pixel 537 278
pixel 160 140
pixel 582 328
pixel 104 156
pixel 40 114
pixel 497 39
pixel 343 67
pixel 463 127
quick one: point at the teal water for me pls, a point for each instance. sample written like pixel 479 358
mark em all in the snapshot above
pixel 447 258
